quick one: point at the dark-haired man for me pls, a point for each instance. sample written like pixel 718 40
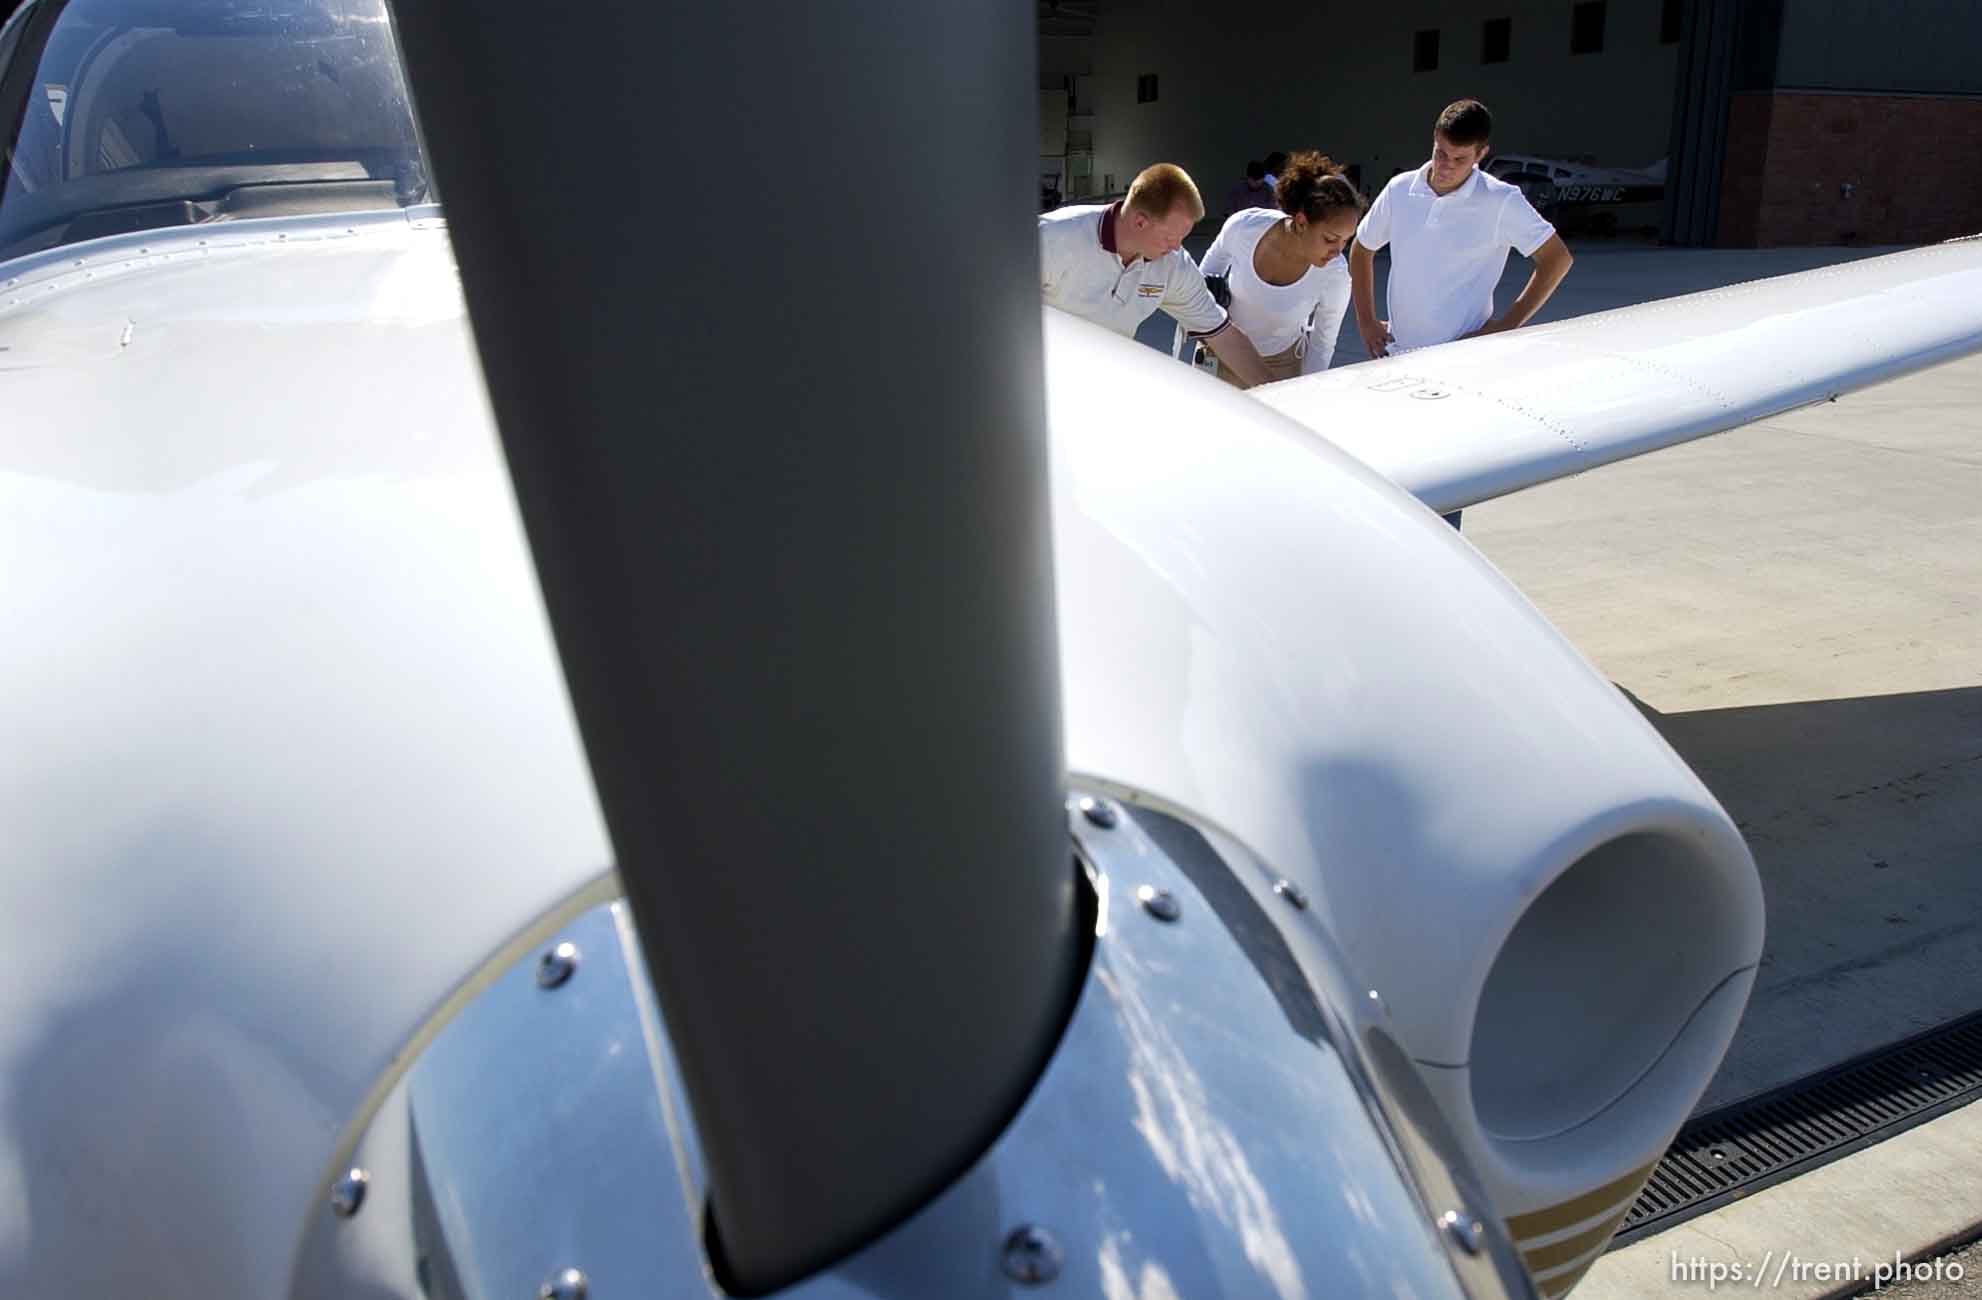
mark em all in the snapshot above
pixel 1116 264
pixel 1449 226
pixel 1276 162
pixel 1252 192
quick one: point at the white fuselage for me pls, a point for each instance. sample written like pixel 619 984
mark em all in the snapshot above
pixel 290 752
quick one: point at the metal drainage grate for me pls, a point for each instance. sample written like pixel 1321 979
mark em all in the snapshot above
pixel 1738 1150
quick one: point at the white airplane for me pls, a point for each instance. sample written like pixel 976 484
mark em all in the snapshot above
pixel 666 821
pixel 1551 181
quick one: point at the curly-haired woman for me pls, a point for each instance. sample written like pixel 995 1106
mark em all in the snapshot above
pixel 1284 269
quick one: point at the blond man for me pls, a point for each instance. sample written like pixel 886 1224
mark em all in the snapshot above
pixel 1115 264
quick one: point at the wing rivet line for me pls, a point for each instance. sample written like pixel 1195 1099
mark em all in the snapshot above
pixel 1031 1255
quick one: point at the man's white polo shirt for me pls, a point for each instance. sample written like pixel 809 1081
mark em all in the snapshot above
pixel 1080 272
pixel 1447 251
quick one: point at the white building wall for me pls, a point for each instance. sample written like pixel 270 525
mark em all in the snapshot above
pixel 1239 78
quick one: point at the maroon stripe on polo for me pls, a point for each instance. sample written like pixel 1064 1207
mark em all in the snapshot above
pixel 1108 226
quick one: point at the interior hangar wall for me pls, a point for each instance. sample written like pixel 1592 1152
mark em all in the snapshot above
pixel 1239 78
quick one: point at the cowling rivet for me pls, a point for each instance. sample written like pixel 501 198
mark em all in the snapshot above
pixel 348 1194
pixel 1465 1232
pixel 1159 903
pixel 1031 1256
pixel 1099 811
pixel 571 1284
pixel 557 966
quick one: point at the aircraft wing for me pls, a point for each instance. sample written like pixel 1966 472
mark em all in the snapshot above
pixel 1477 419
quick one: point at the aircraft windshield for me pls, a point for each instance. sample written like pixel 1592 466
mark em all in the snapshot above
pixel 122 115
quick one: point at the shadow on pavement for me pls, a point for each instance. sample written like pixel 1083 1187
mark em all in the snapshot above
pixel 1862 815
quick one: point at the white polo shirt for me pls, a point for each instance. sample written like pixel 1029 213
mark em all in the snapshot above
pixel 1447 252
pixel 1080 272
pixel 1274 316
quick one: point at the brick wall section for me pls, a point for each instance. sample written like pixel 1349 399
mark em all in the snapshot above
pixel 1911 161
pixel 1744 169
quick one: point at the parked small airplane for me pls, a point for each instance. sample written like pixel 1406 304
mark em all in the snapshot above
pixel 1561 180
pixel 521 774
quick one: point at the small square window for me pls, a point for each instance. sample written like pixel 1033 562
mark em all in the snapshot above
pixel 1586 28
pixel 1424 51
pixel 1495 37
pixel 1671 20
pixel 1146 88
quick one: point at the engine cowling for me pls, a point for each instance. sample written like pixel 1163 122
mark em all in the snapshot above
pixel 1257 632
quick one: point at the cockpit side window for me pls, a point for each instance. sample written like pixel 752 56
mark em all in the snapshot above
pixel 137 114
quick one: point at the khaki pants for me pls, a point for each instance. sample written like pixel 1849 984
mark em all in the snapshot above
pixel 1281 365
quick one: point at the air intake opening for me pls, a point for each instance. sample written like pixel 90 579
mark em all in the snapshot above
pixel 1599 978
